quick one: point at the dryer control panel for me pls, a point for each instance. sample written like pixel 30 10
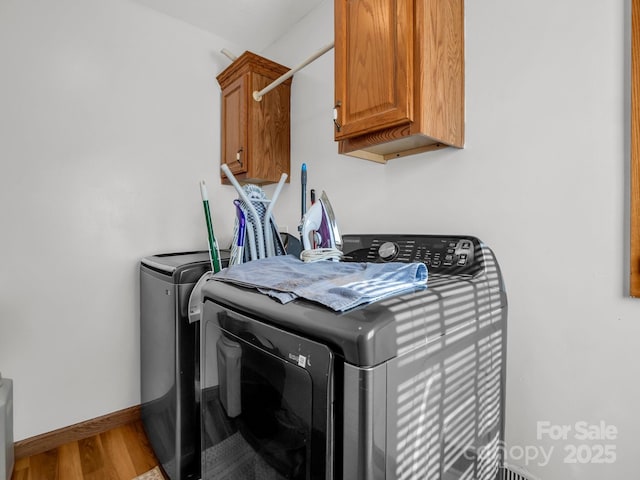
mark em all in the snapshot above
pixel 450 254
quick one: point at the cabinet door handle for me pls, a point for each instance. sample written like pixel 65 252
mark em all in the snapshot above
pixel 335 115
pixel 239 156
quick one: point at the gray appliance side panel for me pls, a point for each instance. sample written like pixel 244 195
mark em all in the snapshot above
pixel 414 420
pixel 445 405
pixel 158 385
pixel 364 425
pixel 498 320
pixel 157 335
pixel 7 455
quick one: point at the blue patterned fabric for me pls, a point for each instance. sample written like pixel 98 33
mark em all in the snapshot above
pixel 337 285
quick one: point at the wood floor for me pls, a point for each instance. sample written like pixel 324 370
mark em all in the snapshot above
pixel 122 453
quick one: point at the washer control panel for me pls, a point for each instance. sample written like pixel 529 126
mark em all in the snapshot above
pixel 440 253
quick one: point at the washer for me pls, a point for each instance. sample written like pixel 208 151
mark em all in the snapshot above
pixel 410 387
pixel 170 359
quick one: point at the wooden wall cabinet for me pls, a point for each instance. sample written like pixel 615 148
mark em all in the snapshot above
pixel 256 135
pixel 399 76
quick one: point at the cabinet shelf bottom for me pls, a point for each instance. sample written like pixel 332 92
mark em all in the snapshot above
pixel 368 147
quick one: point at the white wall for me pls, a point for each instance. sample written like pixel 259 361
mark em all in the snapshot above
pixel 110 117
pixel 542 180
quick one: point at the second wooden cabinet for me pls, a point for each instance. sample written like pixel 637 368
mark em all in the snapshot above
pixel 399 76
pixel 256 135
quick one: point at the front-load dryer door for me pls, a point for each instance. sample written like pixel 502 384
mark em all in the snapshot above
pixel 266 401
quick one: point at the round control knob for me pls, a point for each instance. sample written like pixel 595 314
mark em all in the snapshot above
pixel 388 250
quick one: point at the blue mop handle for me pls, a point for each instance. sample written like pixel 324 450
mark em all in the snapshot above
pixel 213 246
pixel 303 182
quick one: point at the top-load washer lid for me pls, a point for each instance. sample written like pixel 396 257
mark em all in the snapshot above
pixel 179 264
pixel 168 263
pixel 374 333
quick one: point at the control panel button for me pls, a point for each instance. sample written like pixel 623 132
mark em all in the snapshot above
pixel 388 250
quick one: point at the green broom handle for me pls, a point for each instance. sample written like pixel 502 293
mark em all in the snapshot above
pixel 213 246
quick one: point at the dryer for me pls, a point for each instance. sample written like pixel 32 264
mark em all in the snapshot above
pixel 410 387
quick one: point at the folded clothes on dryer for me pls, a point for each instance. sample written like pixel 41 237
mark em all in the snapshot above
pixel 337 285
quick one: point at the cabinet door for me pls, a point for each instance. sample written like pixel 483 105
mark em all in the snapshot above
pixel 234 126
pixel 373 65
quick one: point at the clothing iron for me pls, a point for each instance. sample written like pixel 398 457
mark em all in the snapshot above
pixel 319 227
